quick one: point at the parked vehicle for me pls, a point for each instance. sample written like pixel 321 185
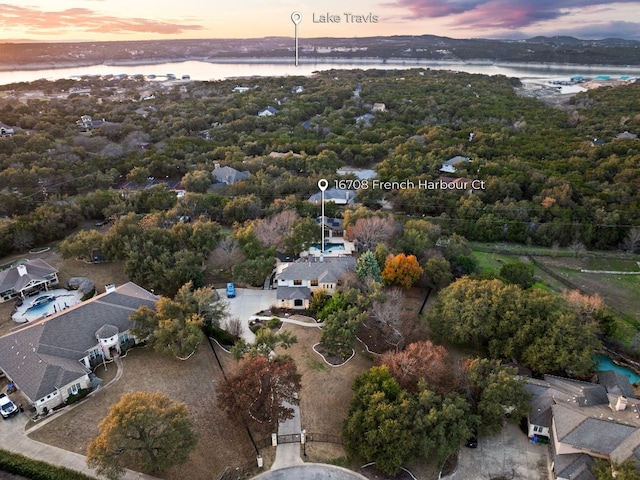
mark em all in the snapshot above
pixel 7 407
pixel 231 290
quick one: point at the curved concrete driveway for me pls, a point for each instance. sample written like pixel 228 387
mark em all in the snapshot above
pixel 248 303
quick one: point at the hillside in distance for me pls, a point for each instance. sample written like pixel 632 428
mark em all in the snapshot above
pixel 562 50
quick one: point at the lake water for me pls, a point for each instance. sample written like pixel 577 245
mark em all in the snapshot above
pixel 198 70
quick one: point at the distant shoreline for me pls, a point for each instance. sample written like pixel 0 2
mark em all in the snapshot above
pixel 418 62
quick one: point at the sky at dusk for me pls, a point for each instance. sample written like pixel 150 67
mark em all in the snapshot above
pixel 104 20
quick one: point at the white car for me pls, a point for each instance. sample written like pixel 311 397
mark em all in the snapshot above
pixel 7 407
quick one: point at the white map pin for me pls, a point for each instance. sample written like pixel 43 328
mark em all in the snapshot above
pixel 296 18
pixel 323 184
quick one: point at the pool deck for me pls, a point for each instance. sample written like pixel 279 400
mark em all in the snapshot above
pixel 64 299
pixel 348 249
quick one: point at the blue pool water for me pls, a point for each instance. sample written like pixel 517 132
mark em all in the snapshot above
pixel 328 247
pixel 605 363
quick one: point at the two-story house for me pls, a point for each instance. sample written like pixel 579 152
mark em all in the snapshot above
pixel 297 282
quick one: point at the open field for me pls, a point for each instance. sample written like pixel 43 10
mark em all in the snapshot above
pixel 222 441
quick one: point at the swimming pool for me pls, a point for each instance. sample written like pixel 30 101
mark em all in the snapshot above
pixel 328 247
pixel 605 363
pixel 46 304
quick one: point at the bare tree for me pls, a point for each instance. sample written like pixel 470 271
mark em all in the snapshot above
pixel 226 254
pixel 272 231
pixel 235 327
pixel 632 242
pixel 369 232
pixel 587 306
pixel 577 248
pixel 387 309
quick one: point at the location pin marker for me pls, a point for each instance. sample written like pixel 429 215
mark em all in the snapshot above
pixel 296 18
pixel 323 184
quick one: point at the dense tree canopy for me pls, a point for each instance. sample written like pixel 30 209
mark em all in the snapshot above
pixel 176 326
pixel 143 431
pixel 535 327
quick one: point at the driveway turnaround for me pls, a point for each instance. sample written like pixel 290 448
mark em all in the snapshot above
pixel 247 303
pixel 508 454
pixel 310 471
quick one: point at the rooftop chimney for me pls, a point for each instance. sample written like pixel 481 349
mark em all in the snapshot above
pixel 621 404
pixel 22 270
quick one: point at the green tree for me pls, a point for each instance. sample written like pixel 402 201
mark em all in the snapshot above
pixel 495 390
pixel 518 273
pixel 367 268
pixel 197 181
pixel 339 331
pixel 532 326
pixel 175 326
pixel 437 271
pixel 138 175
pixel 305 233
pixel 145 431
pixel 381 419
pixel 264 345
pixel 441 424
pixel 604 470
pixel 81 244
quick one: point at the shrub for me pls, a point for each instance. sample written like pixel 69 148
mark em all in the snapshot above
pixel 274 323
pixel 222 336
pixel 36 470
pixel 83 392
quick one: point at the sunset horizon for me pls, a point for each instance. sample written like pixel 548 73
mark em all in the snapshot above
pixel 118 20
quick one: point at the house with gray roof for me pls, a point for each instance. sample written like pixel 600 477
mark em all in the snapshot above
pixel 583 421
pixel 299 280
pixel 25 279
pixel 450 165
pixel 228 175
pixel 6 130
pixel 626 136
pixel 268 112
pixel 335 195
pixel 50 359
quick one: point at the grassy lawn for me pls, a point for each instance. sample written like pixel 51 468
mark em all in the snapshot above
pixel 222 441
pixel 612 264
pixel 620 292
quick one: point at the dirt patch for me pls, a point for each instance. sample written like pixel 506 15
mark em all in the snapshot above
pixel 222 442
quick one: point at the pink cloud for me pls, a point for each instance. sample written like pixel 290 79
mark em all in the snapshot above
pixel 83 20
pixel 497 13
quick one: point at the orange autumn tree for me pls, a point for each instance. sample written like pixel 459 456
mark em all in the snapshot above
pixel 403 270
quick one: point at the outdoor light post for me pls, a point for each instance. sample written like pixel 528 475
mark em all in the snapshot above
pixel 303 441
